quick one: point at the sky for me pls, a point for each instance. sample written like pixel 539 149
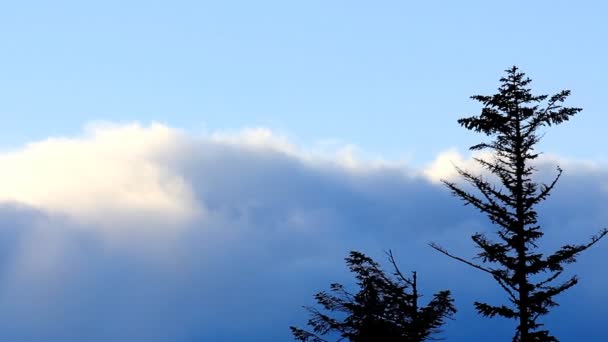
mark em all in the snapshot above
pixel 196 170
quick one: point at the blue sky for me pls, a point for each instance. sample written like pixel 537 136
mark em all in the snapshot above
pixel 196 171
pixel 381 76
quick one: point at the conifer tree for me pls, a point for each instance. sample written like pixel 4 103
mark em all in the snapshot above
pixel 386 308
pixel 512 118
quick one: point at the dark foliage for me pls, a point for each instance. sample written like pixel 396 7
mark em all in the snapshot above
pixel 385 308
pixel 513 117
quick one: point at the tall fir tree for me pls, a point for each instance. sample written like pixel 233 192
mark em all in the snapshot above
pixel 386 308
pixel 513 118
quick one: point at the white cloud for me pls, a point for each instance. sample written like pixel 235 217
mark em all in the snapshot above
pixel 128 175
pixel 255 138
pixel 264 223
pixel 117 178
pixel 138 174
pixel 443 167
pixel 112 172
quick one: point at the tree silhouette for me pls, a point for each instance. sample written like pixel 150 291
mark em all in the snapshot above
pixel 513 117
pixel 385 309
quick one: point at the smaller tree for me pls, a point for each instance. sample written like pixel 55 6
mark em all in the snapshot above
pixel 385 309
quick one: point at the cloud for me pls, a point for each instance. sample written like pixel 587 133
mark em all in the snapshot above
pixel 132 232
pixel 111 173
pixel 443 167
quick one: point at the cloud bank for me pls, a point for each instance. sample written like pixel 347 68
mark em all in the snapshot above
pixel 131 232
